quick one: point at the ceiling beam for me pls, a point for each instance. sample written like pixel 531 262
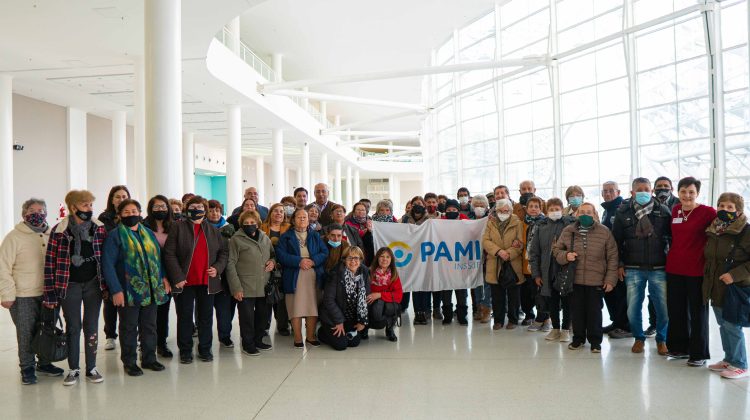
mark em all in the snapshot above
pixel 377 139
pixel 385 147
pixel 348 99
pixel 372 121
pixel 373 133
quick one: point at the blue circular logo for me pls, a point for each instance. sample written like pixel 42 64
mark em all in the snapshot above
pixel 402 252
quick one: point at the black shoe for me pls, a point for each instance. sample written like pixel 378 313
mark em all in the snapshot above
pixel 263 346
pixel 133 370
pixel 609 328
pixel 696 362
pixel 155 366
pixel 672 355
pixel 164 351
pixel 284 332
pixel 447 320
pixel 28 376
pixel 527 321
pixel 618 334
pixel 575 346
pixel 650 332
pixel 49 370
pixel 226 342
pixel 186 359
pixel 299 345
pixel 390 334
pixel 206 357
pixel 250 351
pixel 314 343
pixel 462 319
pixel 364 334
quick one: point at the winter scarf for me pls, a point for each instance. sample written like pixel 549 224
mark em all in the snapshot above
pixel 142 261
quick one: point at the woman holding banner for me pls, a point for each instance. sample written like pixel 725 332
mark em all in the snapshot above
pixel 503 242
pixel 416 216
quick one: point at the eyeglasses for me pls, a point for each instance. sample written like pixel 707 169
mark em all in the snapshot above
pixel 352 258
pixel 159 207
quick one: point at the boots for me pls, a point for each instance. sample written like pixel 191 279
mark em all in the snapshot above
pixel 486 314
pixel 390 334
pixel 447 316
pixel 461 315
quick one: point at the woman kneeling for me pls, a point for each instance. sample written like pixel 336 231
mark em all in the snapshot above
pixel 386 293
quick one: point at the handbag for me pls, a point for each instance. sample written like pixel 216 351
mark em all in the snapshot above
pixel 507 277
pixel 736 305
pixel 272 289
pixel 567 274
pixel 50 341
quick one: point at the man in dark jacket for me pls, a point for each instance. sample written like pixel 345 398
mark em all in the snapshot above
pixel 325 207
pixel 612 201
pixel 663 192
pixel 252 193
pixel 642 230
pixel 617 302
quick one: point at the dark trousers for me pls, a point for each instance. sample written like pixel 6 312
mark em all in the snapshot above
pixel 421 301
pixel 379 321
pixel 405 301
pixel 90 295
pixel 253 314
pixel 26 313
pixel 194 299
pixel 137 322
pixel 617 306
pixel 556 303
pixel 110 318
pixel 225 306
pixel 280 314
pixel 586 310
pixel 447 297
pixel 437 298
pixel 687 332
pixel 505 301
pixel 325 335
pixel 528 291
pixel 162 322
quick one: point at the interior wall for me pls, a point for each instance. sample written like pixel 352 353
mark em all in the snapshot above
pixel 100 154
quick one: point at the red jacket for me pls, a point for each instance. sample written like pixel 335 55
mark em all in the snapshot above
pixel 392 292
pixel 461 216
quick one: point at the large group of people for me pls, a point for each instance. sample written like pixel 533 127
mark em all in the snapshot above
pixel 549 266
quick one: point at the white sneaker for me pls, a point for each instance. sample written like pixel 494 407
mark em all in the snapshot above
pixel 110 344
pixel 72 377
pixel 564 336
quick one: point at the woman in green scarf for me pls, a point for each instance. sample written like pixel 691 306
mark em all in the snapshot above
pixel 132 268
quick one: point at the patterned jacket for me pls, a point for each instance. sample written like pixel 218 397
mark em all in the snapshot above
pixel 57 260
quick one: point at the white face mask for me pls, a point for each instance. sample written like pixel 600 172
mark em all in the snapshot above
pixel 503 216
pixel 480 211
pixel 289 210
pixel 463 200
pixel 555 215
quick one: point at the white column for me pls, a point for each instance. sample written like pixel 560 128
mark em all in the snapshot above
pixel 278 66
pixel 357 189
pixel 323 169
pixel 139 133
pixel 188 162
pixel 234 157
pixel 77 162
pixel 338 197
pixel 119 147
pixel 163 64
pixel 305 181
pixel 323 113
pixel 394 195
pixel 7 211
pixel 260 177
pixel 278 165
pixel 349 188
pixel 298 174
pixel 305 101
pixel 233 40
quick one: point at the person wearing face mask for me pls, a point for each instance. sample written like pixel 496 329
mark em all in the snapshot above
pixel 160 220
pixel 336 245
pixel 529 289
pixel 195 255
pixel 417 216
pixel 595 251
pixel 116 195
pixel 249 267
pixel 727 254
pixel 663 192
pixel 290 205
pixel 248 204
pixel 574 194
pixel 481 296
pixel 503 242
pixel 452 212
pixel 384 212
pixel 464 200
pixel 490 200
pixel 358 229
pixel 133 270
pixel 527 189
pixel 274 226
pixel 544 268
pixel 441 199
pixel 430 200
pixel 176 206
pixel 22 283
pixel 225 305
pixel 73 277
pixel 617 300
pixel 642 231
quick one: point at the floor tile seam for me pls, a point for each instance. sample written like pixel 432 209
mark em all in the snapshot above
pixel 299 360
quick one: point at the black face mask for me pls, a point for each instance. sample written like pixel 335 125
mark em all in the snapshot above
pixel 417 209
pixel 160 215
pixel 130 221
pixel 177 217
pixel 84 215
pixel 451 215
pixel 195 214
pixel 250 230
pixel 525 198
pixel 441 207
pixel 662 193
pixel 726 216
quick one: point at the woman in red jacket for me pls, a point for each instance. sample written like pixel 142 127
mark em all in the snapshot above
pixel 384 300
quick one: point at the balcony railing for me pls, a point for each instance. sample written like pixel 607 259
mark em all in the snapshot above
pixel 248 56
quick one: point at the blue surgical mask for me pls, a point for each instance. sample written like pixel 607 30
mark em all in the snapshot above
pixel 334 244
pixel 642 197
pixel 575 201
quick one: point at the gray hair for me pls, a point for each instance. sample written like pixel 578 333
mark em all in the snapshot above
pixel 479 199
pixel 30 202
pixel 613 183
pixel 384 203
pixel 503 202
pixel 641 180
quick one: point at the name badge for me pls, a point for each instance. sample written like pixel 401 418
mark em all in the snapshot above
pixel 677 220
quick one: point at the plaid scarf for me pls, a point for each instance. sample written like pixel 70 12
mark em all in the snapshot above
pixel 142 262
pixel 644 228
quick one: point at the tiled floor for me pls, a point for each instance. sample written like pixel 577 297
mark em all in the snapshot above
pixel 432 372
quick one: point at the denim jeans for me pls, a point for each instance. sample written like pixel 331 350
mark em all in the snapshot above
pixel 483 295
pixel 90 295
pixel 732 341
pixel 636 281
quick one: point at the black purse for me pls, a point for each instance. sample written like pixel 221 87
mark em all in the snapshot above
pixel 567 274
pixel 272 290
pixel 50 341
pixel 507 277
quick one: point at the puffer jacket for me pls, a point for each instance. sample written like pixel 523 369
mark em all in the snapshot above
pixel 597 261
pixel 509 239
pixel 717 251
pixel 644 254
pixel 333 307
pixel 246 268
pixel 22 263
pixel 541 259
